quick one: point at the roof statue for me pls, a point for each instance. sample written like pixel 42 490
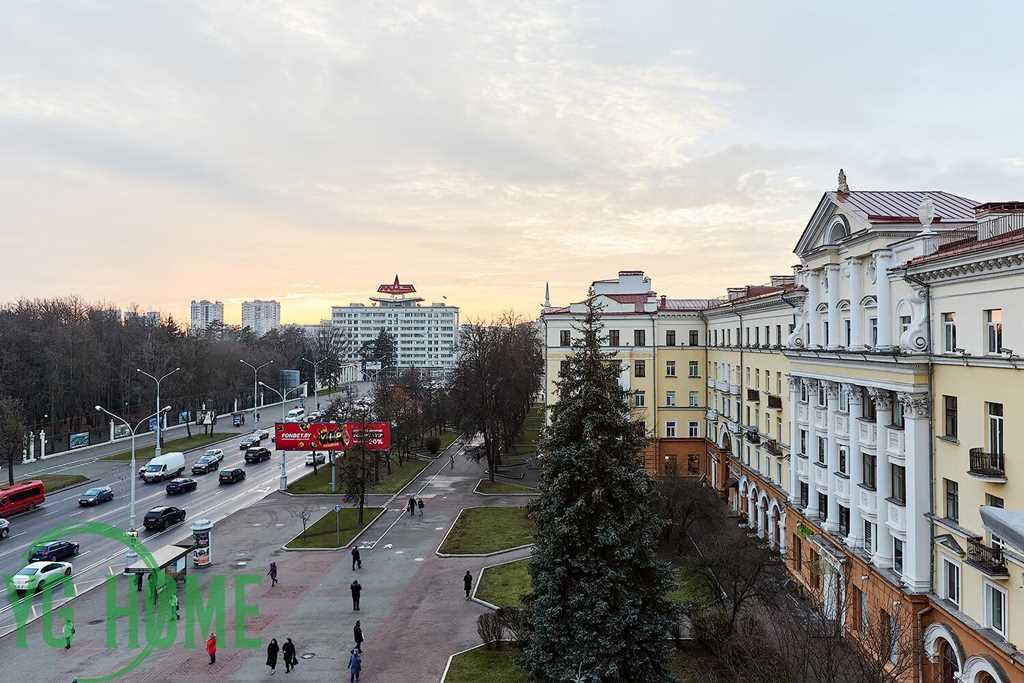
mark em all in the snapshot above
pixel 926 214
pixel 843 187
pixel 396 288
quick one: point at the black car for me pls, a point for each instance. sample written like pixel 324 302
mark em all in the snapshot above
pixel 163 517
pixel 53 551
pixel 181 486
pixel 254 455
pixel 230 476
pixel 247 442
pixel 205 464
pixel 96 496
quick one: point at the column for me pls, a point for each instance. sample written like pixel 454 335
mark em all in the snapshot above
pixel 811 304
pixel 884 289
pixel 835 336
pixel 916 551
pixel 759 511
pixel 794 440
pixel 883 478
pixel 856 537
pixel 856 311
pixel 751 520
pixel 812 452
pixel 782 532
pixel 832 403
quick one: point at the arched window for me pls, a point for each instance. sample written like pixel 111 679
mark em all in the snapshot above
pixel 949 664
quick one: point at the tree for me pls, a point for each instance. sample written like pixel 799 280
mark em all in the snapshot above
pixel 12 432
pixel 356 466
pixel 598 607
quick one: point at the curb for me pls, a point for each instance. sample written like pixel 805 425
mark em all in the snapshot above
pixel 481 493
pixel 347 546
pixel 496 552
pixel 111 458
pixel 448 664
pixel 480 579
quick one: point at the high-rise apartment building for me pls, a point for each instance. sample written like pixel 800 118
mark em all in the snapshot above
pixel 261 316
pixel 205 312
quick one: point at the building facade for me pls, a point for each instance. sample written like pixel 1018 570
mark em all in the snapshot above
pixel 205 312
pixel 261 316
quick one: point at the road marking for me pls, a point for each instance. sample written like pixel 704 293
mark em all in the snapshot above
pixel 419 559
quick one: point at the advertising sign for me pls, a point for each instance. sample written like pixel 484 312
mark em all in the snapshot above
pixel 332 436
pixel 183 417
pixel 122 432
pixel 78 440
pixel 152 424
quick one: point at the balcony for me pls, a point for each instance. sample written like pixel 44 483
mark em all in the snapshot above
pixel 866 432
pixel 866 500
pixel 773 447
pixel 897 517
pixel 734 389
pixel 821 476
pixel 841 485
pixel 988 466
pixel 711 383
pixel 712 415
pixel 754 395
pixel 722 385
pixel 801 467
pixel 752 435
pixel 894 440
pixel 774 402
pixel 987 559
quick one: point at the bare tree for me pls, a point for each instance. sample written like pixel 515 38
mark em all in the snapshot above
pixel 12 432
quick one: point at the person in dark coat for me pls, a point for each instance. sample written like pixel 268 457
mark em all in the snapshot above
pixel 419 504
pixel 272 656
pixel 355 665
pixel 356 590
pixel 412 507
pixel 272 573
pixel 290 660
pixel 356 560
pixel 357 635
pixel 467 583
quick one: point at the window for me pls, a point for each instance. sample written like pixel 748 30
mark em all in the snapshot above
pixel 858 604
pixel 899 484
pixel 995 608
pixel 803 392
pixel 825 331
pixel 728 337
pixel 767 335
pixel 778 335
pixel 843 458
pixel 639 368
pixel 798 555
pixel 804 494
pixel 870 412
pixel 897 414
pixel 613 338
pixel 693 464
pixel 904 323
pixel 757 336
pixel 952 489
pixel 822 450
pixel 889 634
pixel 670 399
pixel 822 506
pixel 757 379
pixel 949 332
pixel 694 399
pixel 897 555
pixel 639 399
pixel 870 537
pixel 778 427
pixel 670 429
pixel 693 369
pixel 563 367
pixel 994 330
pixel 639 337
pixel 822 395
pixel 716 337
pixel 693 430
pixel 803 442
pixel 949 408
pixel 951 581
pixel 873 327
pixel 694 338
pixel 670 368
pixel 564 338
pixel 844 401
pixel 747 330
pixel 670 338
pixel 778 472
pixel 846 331
pixel 844 520
pixel 814 563
pixel 995 428
pixel 869 470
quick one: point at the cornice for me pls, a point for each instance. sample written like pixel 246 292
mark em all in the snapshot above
pixel 968 266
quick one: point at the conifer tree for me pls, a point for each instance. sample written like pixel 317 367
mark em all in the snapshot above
pixel 598 609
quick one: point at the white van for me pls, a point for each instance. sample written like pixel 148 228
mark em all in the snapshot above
pixel 295 415
pixel 166 466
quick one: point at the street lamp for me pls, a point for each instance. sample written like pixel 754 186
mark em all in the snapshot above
pixel 143 372
pixel 255 372
pixel 284 397
pixel 133 474
pixel 316 385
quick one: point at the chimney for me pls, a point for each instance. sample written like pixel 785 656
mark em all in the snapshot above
pixel 782 280
pixel 736 292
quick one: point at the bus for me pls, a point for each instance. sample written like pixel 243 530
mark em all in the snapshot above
pixel 22 496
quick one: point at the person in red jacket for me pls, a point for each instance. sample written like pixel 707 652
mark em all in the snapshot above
pixel 211 647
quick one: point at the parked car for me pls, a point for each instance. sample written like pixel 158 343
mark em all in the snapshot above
pixel 5 528
pixel 255 455
pixel 163 516
pixel 54 550
pixel 247 443
pixel 162 467
pixel 321 458
pixel 231 475
pixel 181 486
pixel 205 464
pixel 35 576
pixel 95 496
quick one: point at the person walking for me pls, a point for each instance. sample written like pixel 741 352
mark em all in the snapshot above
pixel 356 590
pixel 174 605
pixel 272 656
pixel 68 633
pixel 467 583
pixel 357 635
pixel 272 573
pixel 451 461
pixel 355 665
pixel 211 647
pixel 288 650
pixel 419 504
pixel 356 560
pixel 152 586
pixel 412 506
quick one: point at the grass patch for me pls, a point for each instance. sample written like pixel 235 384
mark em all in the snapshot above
pixel 690 588
pixel 323 534
pixel 488 486
pixel 488 530
pixel 526 443
pixel 492 664
pixel 507 584
pixel 448 438
pixel 56 482
pixel 182 444
pixel 399 477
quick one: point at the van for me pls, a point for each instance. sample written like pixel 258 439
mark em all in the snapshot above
pixel 295 414
pixel 166 466
pixel 21 496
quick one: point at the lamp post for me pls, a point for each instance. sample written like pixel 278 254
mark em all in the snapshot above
pixel 316 384
pixel 255 396
pixel 156 452
pixel 133 474
pixel 284 397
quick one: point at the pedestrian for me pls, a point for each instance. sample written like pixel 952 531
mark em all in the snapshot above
pixel 356 590
pixel 272 573
pixel 272 656
pixel 451 461
pixel 69 632
pixel 211 647
pixel 356 560
pixel 138 583
pixel 355 665
pixel 467 583
pixel 174 605
pixel 419 504
pixel 412 506
pixel 357 634
pixel 152 586
pixel 288 650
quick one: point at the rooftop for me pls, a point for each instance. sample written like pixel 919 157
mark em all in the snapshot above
pixel 894 206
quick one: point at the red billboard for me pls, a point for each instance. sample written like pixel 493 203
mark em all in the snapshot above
pixel 331 436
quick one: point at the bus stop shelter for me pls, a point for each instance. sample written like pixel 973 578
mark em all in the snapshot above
pixel 172 559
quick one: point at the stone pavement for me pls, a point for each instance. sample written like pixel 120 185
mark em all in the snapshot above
pixel 414 613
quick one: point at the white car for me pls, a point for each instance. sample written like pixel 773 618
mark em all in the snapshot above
pixel 5 528
pixel 34 577
pixel 321 458
pixel 214 454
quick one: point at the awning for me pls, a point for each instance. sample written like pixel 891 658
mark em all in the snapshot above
pixel 164 557
pixel 1006 524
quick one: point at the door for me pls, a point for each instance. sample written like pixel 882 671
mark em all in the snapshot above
pixel 995 433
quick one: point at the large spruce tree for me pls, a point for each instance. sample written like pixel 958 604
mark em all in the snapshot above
pixel 598 610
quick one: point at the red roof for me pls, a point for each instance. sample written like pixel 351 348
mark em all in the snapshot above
pixel 758 292
pixel 898 206
pixel 969 246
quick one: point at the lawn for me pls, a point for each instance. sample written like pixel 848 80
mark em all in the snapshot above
pixel 389 483
pixel 526 443
pixel 690 589
pixel 488 530
pixel 492 664
pixel 506 585
pixel 56 482
pixel 322 533
pixel 448 438
pixel 182 444
pixel 488 486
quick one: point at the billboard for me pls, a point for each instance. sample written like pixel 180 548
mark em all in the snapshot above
pixel 122 432
pixel 78 440
pixel 331 436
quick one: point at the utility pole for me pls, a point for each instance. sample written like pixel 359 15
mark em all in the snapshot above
pixel 159 412
pixel 255 391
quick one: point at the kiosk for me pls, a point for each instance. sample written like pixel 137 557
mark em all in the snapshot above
pixel 202 554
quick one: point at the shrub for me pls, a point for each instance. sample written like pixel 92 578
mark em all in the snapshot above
pixel 433 444
pixel 490 628
pixel 515 621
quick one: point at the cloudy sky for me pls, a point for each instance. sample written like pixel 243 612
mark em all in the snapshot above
pixel 152 153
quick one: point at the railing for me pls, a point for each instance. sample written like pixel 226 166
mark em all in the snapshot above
pixel 866 432
pixel 988 559
pixel 894 440
pixel 773 447
pixel 754 395
pixel 983 230
pixel 734 389
pixel 774 402
pixel 753 436
pixel 987 464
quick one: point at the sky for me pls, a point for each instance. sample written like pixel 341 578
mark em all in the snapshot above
pixel 154 153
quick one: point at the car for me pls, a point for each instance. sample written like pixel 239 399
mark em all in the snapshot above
pixel 255 455
pixel 321 458
pixel 5 528
pixel 34 576
pixel 54 550
pixel 96 495
pixel 263 434
pixel 181 486
pixel 215 453
pixel 204 464
pixel 231 475
pixel 247 443
pixel 163 516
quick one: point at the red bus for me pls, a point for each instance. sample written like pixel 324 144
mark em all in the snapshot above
pixel 22 496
